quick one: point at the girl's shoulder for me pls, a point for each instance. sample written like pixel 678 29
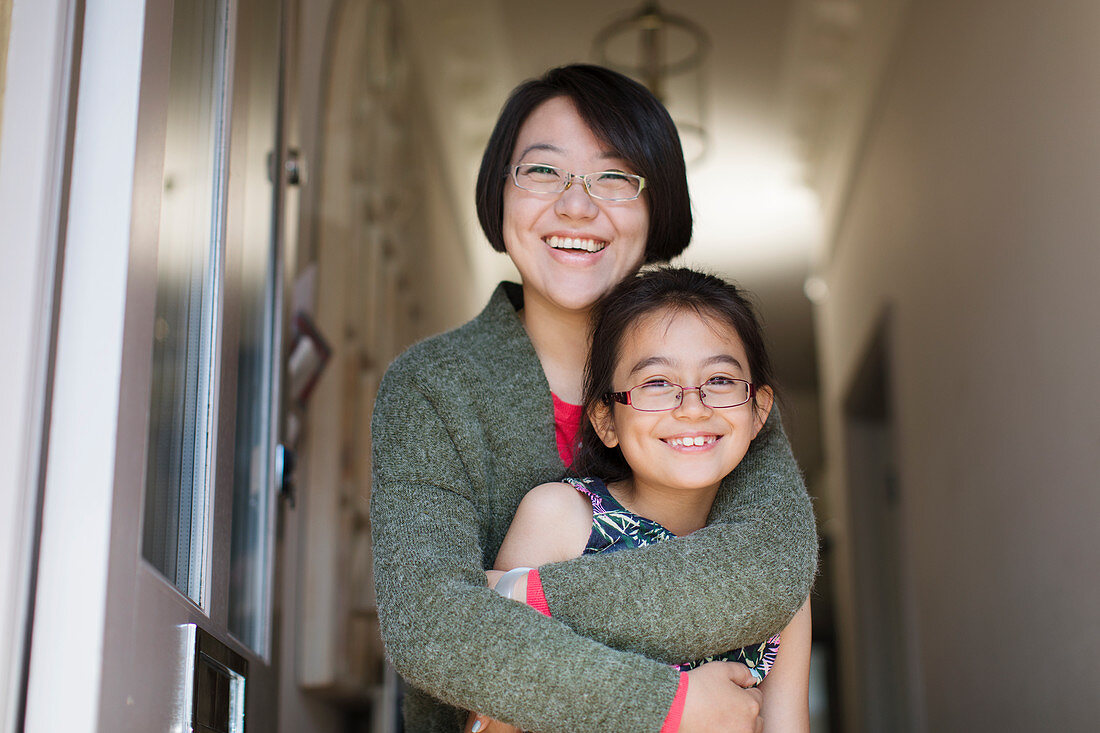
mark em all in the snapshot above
pixel 559 499
pixel 552 523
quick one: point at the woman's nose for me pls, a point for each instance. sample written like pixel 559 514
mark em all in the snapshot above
pixel 575 203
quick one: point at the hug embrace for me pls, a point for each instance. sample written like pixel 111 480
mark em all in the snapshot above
pixel 507 444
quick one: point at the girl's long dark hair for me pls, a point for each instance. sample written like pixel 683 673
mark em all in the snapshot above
pixel 651 291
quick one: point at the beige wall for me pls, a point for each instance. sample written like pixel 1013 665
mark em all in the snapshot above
pixel 5 29
pixel 974 217
pixel 365 166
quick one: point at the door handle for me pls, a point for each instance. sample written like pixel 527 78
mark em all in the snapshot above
pixel 294 167
pixel 285 463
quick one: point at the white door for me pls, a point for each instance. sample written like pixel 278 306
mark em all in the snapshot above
pixel 153 604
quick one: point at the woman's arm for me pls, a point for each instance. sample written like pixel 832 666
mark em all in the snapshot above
pixel 445 631
pixel 786 707
pixel 733 583
pixel 552 523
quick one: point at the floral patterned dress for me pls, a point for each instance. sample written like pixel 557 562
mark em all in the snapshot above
pixel 614 527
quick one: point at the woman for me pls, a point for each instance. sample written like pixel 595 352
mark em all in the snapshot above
pixel 465 424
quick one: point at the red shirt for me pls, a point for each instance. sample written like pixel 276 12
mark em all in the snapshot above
pixel 567 423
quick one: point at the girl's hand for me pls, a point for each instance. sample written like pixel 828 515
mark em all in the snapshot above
pixel 478 723
pixel 721 697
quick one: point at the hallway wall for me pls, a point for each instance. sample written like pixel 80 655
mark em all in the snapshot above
pixel 392 267
pixel 973 220
pixel 5 31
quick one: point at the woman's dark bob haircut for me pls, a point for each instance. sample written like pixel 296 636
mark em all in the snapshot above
pixel 663 289
pixel 622 114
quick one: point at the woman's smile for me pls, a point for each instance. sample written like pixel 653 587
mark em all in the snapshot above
pixel 575 243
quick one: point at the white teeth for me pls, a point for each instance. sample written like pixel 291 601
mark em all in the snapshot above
pixel 693 440
pixel 586 245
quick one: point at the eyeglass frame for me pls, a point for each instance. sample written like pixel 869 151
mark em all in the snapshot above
pixel 570 175
pixel 624 398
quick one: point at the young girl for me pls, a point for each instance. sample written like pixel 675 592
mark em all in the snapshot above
pixel 677 385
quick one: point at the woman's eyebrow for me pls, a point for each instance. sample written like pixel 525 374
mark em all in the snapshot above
pixel 541 146
pixel 606 155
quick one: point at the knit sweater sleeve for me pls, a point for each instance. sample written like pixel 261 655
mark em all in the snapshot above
pixel 730 584
pixel 444 630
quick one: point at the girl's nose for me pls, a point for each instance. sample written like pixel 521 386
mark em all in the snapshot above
pixel 575 203
pixel 691 403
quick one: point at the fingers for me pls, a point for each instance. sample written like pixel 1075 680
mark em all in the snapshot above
pixel 740 674
pixel 758 699
pixel 479 723
pixel 721 697
pixel 476 723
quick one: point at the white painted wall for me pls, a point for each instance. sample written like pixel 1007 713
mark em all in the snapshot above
pixel 973 215
pixel 5 30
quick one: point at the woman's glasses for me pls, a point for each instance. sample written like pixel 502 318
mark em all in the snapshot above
pixel 605 185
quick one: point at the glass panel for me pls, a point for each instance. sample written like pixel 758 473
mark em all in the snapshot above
pixel 218 685
pixel 180 418
pixel 250 553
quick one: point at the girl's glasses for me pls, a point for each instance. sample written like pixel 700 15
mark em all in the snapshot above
pixel 659 395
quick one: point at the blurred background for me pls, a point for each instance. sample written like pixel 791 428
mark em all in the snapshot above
pixel 909 187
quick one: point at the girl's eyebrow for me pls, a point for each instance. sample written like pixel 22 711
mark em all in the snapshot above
pixel 650 361
pixel 665 361
pixel 723 359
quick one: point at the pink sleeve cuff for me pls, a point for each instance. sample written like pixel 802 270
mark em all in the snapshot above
pixel 672 722
pixel 536 598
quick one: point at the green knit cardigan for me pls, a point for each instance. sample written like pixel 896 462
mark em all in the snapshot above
pixel 463 427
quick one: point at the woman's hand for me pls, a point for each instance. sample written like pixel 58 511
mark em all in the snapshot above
pixel 478 723
pixel 721 697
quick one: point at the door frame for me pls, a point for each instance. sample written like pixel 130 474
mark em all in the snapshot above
pixel 102 611
pixel 35 142
pixel 81 497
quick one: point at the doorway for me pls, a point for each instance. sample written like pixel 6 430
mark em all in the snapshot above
pixel 153 601
pixel 876 504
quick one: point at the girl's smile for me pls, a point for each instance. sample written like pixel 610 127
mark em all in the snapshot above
pixel 692 441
